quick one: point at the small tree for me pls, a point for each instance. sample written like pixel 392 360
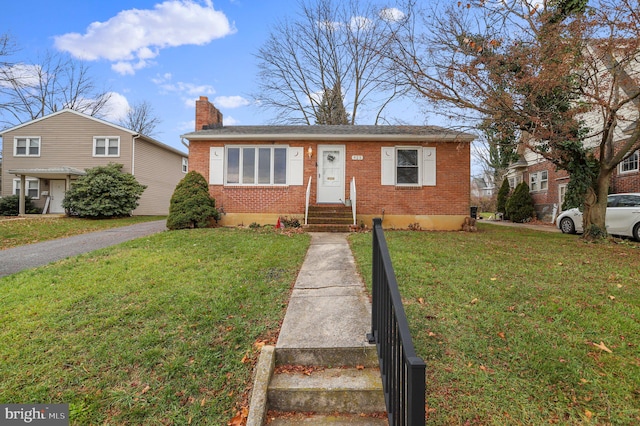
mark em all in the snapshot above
pixel 503 197
pixel 520 205
pixel 105 191
pixel 191 205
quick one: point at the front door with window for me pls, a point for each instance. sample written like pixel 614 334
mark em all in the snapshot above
pixel 331 171
pixel 57 195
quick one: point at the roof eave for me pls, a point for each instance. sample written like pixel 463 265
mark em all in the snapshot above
pixel 327 137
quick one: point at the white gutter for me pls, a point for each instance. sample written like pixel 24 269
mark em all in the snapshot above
pixel 133 154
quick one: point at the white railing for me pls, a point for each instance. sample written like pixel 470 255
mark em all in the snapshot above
pixel 352 192
pixel 306 205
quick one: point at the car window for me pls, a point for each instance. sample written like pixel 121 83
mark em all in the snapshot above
pixel 611 201
pixel 629 201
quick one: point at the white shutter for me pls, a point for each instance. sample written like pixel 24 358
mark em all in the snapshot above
pixel 295 166
pixel 429 166
pixel 216 165
pixel 388 166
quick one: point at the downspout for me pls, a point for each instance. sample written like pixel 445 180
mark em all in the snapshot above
pixel 133 154
pixel 186 145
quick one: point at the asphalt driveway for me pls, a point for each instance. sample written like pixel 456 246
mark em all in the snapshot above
pixel 33 255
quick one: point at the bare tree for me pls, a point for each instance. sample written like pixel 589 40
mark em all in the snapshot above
pixel 141 118
pixel 50 84
pixel 330 45
pixel 541 67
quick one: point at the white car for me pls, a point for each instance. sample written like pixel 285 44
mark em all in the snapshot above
pixel 623 217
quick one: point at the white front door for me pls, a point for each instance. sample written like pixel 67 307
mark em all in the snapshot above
pixel 331 174
pixel 57 190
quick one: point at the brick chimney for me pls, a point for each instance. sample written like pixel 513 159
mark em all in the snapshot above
pixel 207 115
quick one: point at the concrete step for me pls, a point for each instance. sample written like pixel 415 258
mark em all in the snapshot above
pixel 346 220
pixel 330 390
pixel 365 356
pixel 328 420
pixel 322 227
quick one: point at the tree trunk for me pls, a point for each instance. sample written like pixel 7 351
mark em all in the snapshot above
pixel 595 209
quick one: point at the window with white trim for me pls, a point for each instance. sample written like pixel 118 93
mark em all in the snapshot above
pixel 539 181
pixel 185 165
pixel 630 164
pixel 256 165
pixel 26 146
pixel 408 166
pixel 33 187
pixel 106 146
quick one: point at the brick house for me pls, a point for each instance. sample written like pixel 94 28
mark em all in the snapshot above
pixel 405 174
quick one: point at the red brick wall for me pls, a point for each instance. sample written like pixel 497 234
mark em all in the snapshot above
pixel 545 199
pixel 450 196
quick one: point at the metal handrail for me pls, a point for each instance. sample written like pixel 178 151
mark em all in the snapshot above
pixel 306 205
pixel 402 371
pixel 352 195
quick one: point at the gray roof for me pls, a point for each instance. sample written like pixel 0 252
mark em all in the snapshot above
pixel 49 173
pixel 324 132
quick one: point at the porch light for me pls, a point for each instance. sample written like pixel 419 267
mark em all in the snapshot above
pixel 310 152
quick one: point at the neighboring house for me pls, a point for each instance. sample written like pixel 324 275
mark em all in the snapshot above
pixel 483 186
pixel 46 155
pixel 404 174
pixel 548 185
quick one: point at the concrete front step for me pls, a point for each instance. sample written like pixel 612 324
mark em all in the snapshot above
pixel 331 390
pixel 328 420
pixel 318 227
pixel 365 356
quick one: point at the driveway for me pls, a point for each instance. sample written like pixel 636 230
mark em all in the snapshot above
pixel 33 255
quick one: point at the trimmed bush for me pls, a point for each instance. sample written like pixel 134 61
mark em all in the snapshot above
pixel 503 197
pixel 520 205
pixel 9 206
pixel 104 192
pixel 191 205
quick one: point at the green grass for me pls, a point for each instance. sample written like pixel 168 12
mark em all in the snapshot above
pixel 159 330
pixel 507 321
pixel 16 231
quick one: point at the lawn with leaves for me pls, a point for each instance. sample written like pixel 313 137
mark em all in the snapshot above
pixel 16 231
pixel 159 330
pixel 519 326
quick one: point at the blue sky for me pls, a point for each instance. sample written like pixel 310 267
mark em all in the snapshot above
pixel 165 52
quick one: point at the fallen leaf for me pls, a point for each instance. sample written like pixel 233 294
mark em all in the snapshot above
pixel 612 297
pixel 239 418
pixel 588 414
pixel 602 347
pixel 432 334
pixel 259 344
pixel 474 301
pixel 421 300
pixel 584 380
pixel 203 401
pixel 245 359
pixel 359 367
pixel 494 278
pixel 502 335
pixel 483 368
pixel 145 390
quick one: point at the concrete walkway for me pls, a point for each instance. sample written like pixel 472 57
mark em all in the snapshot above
pixel 33 255
pixel 328 307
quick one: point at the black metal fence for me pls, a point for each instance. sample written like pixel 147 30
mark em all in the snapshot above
pixel 403 373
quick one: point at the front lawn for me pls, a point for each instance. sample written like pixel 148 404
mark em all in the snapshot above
pixel 519 326
pixel 16 231
pixel 159 330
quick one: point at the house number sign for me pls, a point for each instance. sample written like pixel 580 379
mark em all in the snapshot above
pixel 357 157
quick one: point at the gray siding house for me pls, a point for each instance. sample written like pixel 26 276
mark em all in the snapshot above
pixel 46 155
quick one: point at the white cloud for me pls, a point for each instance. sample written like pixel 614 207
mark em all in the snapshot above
pixel 116 107
pixel 185 89
pixel 23 75
pixel 392 14
pixel 134 37
pixel 230 101
pixel 358 23
pixel 230 121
